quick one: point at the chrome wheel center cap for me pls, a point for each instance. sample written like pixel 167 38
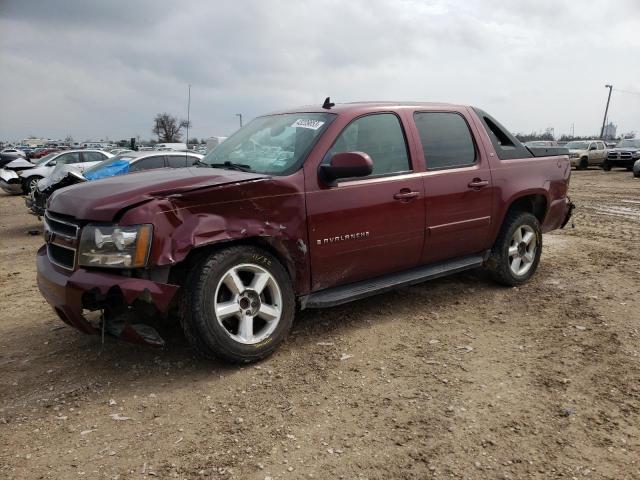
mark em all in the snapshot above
pixel 249 302
pixel 522 249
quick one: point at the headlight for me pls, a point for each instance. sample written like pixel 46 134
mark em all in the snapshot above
pixel 575 155
pixel 115 246
pixel 636 155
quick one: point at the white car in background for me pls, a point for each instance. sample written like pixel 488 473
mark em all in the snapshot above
pixel 14 151
pixel 21 176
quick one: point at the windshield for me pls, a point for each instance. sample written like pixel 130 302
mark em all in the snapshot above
pixel 577 145
pixel 275 144
pixel 107 162
pixel 46 158
pixel 630 142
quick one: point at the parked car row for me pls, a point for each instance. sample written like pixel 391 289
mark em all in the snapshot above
pixel 128 162
pixel 22 176
pixel 588 153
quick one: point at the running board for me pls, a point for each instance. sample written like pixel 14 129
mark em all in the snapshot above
pixel 366 288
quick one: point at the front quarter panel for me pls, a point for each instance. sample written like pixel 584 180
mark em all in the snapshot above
pixel 269 210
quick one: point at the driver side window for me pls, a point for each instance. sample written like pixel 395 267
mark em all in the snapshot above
pixel 380 136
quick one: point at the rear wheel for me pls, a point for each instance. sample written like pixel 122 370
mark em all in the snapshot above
pixel 584 163
pixel 516 253
pixel 238 305
pixel 606 166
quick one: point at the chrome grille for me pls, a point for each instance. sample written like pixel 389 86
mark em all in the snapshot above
pixel 61 237
pixel 620 155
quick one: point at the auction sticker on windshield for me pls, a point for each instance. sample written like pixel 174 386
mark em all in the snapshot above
pixel 306 123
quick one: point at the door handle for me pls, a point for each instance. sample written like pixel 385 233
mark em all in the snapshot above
pixel 405 194
pixel 478 183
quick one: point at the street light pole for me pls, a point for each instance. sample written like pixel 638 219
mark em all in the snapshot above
pixel 239 115
pixel 188 114
pixel 606 110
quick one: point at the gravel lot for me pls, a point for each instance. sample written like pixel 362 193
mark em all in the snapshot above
pixel 456 378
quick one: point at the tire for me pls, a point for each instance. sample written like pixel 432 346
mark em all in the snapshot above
pixel 207 292
pixel 584 164
pixel 30 183
pixel 501 264
pixel 606 166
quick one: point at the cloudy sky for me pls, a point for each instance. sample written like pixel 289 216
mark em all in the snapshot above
pixel 102 68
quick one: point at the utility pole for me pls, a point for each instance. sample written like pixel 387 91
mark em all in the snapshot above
pixel 573 130
pixel 239 115
pixel 606 110
pixel 188 115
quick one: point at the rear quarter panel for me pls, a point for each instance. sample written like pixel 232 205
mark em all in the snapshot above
pixel 517 178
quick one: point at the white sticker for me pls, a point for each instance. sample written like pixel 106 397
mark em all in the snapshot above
pixel 304 123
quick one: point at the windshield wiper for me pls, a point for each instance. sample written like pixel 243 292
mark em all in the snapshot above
pixel 232 166
pixel 200 163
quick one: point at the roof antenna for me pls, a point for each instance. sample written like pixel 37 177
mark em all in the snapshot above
pixel 328 104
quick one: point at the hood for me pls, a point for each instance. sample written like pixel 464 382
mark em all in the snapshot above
pixel 6 158
pixel 19 164
pixel 101 200
pixel 61 172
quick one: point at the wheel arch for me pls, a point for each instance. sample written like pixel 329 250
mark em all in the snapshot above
pixel 535 203
pixel 271 245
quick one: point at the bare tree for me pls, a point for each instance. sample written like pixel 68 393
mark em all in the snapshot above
pixel 168 128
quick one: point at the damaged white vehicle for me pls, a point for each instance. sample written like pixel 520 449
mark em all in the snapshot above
pixel 22 176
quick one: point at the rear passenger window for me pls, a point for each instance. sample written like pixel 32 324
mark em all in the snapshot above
pixel 446 140
pixel 177 161
pixel 380 136
pixel 147 163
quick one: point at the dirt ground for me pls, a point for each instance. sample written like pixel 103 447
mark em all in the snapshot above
pixel 455 378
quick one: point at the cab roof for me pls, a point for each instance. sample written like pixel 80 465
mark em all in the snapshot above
pixel 361 107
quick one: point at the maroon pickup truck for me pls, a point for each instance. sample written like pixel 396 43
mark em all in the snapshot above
pixel 307 208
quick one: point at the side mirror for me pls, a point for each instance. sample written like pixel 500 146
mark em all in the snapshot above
pixel 53 163
pixel 346 165
pixel 592 147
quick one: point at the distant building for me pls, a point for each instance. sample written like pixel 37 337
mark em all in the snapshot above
pixel 610 131
pixel 213 142
pixel 35 142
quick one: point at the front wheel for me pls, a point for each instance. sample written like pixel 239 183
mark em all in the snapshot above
pixel 30 184
pixel 606 166
pixel 238 305
pixel 516 254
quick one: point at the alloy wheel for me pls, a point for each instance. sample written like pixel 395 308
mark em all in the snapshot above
pixel 522 250
pixel 248 303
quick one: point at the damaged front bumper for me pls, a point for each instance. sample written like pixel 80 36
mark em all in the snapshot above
pixel 72 293
pixel 10 182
